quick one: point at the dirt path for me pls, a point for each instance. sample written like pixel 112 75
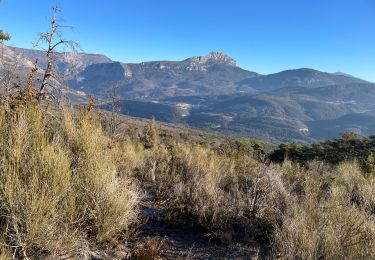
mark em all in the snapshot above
pixel 185 243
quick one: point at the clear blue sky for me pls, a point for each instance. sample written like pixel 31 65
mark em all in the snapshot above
pixel 265 35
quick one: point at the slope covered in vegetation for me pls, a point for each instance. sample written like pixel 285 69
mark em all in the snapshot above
pixel 76 185
pixel 68 189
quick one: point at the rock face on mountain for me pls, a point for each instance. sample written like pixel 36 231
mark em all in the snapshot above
pixel 215 73
pixel 213 92
pixel 213 58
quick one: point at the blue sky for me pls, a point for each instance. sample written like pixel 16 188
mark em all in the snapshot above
pixel 265 36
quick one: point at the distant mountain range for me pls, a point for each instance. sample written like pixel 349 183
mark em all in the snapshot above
pixel 215 73
pixel 80 60
pixel 212 92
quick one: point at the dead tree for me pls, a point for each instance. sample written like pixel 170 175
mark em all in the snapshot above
pixel 54 41
pixel 114 121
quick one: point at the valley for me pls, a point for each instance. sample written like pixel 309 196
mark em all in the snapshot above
pixel 212 92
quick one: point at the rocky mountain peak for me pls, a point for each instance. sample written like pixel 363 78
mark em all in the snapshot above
pixel 220 57
pixel 212 58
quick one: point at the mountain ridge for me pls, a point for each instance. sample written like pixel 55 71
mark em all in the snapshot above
pixel 79 60
pixel 214 93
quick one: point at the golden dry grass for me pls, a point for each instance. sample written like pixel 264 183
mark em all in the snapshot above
pixel 66 189
pixel 323 212
pixel 59 184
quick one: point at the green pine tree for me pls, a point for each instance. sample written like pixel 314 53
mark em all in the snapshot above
pixel 370 164
pixel 150 135
pixel 3 35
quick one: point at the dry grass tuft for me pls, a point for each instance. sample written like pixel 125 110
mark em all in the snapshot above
pixel 313 212
pixel 233 199
pixel 151 248
pixel 331 220
pixel 58 185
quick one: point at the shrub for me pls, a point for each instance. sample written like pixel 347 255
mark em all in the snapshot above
pixel 102 197
pixel 59 185
pixel 130 157
pixel 235 199
pixel 328 221
pixel 149 136
pixel 315 211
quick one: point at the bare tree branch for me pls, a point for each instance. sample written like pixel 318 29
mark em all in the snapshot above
pixel 50 39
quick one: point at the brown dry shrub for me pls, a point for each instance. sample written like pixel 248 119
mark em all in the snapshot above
pixel 233 199
pixel 331 220
pixel 150 248
pixel 59 185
